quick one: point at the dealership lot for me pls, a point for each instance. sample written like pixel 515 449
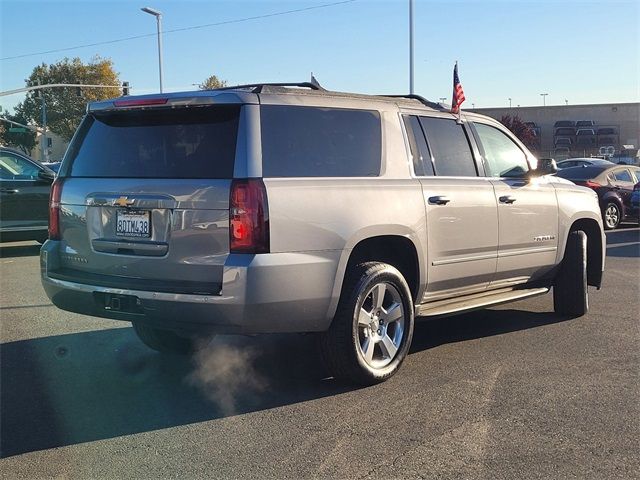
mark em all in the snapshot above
pixel 512 391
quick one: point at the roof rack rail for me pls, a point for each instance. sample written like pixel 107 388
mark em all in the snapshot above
pixel 257 87
pixel 420 98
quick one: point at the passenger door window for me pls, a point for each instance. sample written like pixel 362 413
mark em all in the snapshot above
pixel 502 157
pixel 420 153
pixel 450 147
pixel 14 167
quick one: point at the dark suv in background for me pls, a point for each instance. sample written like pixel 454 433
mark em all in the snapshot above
pixel 24 197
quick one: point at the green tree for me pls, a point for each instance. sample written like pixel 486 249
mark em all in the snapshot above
pixel 65 108
pixel 212 83
pixel 24 141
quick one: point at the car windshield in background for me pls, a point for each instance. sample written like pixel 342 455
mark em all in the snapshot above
pixel 196 142
pixel 581 173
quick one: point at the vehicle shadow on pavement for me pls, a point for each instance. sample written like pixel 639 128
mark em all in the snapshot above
pixel 8 250
pixel 430 333
pixel 70 389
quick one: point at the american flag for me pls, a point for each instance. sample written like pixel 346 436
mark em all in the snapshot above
pixel 458 93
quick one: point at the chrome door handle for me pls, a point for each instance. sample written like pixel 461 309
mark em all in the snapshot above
pixel 8 190
pixel 439 200
pixel 507 199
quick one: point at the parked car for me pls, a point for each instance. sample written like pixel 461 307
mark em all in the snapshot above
pixel 585 132
pixel 614 185
pixel 565 131
pixel 24 197
pixel 564 123
pixel 607 131
pixel 347 215
pixel 635 202
pixel 579 162
pixel 562 141
pixel 585 123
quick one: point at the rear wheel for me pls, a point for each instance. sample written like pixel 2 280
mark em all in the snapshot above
pixel 371 332
pixel 163 341
pixel 611 216
pixel 570 296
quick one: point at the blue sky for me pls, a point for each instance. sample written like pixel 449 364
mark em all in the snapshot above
pixel 585 52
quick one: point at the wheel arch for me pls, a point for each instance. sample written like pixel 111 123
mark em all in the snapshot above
pixel 596 249
pixel 399 250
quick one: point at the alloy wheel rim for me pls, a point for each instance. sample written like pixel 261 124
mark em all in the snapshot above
pixel 611 216
pixel 381 325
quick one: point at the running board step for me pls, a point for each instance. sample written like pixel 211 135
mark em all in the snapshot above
pixel 476 301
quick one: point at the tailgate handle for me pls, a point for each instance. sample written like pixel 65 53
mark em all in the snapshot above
pixel 149 249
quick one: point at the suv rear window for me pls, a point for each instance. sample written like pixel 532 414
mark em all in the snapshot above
pixel 319 142
pixel 197 142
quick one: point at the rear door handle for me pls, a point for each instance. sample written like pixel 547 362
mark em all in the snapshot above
pixel 8 190
pixel 439 200
pixel 507 199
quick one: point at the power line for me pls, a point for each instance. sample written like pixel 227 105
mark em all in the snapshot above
pixel 184 29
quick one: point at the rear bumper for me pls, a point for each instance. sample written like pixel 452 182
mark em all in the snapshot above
pixel 269 293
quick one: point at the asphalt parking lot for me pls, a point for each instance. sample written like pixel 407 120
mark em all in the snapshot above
pixel 509 392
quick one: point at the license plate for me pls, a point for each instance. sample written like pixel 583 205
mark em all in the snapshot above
pixel 133 224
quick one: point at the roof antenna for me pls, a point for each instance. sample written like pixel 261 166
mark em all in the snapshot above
pixel 315 82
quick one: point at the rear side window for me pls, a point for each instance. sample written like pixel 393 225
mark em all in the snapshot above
pixel 197 142
pixel 422 165
pixel 623 176
pixel 319 142
pixel 450 147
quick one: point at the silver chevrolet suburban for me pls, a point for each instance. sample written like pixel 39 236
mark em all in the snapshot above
pixel 288 208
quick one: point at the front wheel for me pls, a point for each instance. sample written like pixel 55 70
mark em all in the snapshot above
pixel 570 296
pixel 371 332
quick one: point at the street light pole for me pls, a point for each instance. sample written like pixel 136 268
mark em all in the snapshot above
pixel 544 99
pixel 509 102
pixel 158 16
pixel 411 47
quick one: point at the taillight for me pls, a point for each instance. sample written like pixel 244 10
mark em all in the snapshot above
pixel 248 217
pixel 591 184
pixel 54 209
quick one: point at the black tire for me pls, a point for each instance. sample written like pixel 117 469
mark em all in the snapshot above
pixel 342 346
pixel 570 295
pixel 611 215
pixel 163 341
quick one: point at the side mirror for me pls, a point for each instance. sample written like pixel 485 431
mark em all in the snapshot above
pixel 546 166
pixel 46 176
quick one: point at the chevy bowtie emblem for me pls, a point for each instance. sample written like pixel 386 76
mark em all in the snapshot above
pixel 123 202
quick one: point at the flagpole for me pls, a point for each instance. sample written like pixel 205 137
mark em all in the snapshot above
pixel 459 106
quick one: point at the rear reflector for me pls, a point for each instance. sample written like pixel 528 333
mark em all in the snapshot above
pixel 248 217
pixel 54 209
pixel 140 102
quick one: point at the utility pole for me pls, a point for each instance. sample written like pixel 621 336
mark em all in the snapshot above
pixel 43 139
